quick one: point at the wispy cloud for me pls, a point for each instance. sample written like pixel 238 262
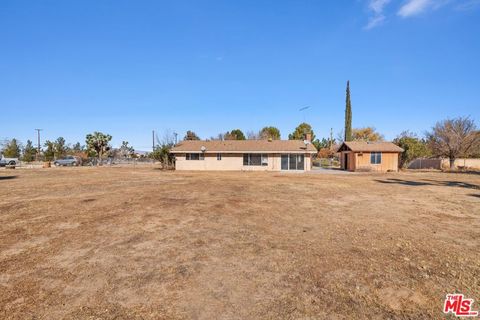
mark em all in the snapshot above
pixel 468 5
pixel 377 6
pixel 374 21
pixel 411 8
pixel 377 17
pixel 414 7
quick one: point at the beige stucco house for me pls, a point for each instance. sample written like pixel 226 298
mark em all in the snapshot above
pixel 248 155
pixel 369 156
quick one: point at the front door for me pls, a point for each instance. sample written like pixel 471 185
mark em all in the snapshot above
pixel 346 161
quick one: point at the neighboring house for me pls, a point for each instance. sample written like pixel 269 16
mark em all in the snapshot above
pixel 369 156
pixel 256 155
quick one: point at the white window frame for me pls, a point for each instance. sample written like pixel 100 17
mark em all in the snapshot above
pixel 219 156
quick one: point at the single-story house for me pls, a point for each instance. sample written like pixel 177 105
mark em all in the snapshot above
pixel 257 155
pixel 369 156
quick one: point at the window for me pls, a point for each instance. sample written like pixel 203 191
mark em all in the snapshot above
pixel 255 159
pixel 284 161
pixel 219 156
pixel 293 162
pixel 264 160
pixel 195 156
pixel 300 162
pixel 376 158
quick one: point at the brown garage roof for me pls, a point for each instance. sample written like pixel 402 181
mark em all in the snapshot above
pixel 241 146
pixel 362 146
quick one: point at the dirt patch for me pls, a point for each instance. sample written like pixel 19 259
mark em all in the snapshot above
pixel 121 243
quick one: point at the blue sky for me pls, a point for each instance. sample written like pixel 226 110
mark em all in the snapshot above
pixel 127 67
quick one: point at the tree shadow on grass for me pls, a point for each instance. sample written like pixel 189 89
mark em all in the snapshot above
pixel 428 182
pixel 404 182
pixel 8 177
pixel 455 184
pixel 464 172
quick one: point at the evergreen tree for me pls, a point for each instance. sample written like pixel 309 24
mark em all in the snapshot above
pixel 270 133
pixel 235 134
pixel 11 149
pixel 190 135
pixel 77 147
pixel 300 131
pixel 348 115
pixel 49 152
pixel 29 152
pixel 60 147
pixel 413 147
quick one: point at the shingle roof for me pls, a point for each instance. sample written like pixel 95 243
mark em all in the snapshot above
pixel 361 146
pixel 241 146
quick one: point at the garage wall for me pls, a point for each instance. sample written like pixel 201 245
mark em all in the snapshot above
pixel 351 160
pixel 389 162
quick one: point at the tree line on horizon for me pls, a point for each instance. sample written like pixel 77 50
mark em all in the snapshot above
pixel 97 145
pixel 450 138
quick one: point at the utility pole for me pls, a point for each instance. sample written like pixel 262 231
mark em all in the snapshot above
pixel 38 142
pixel 153 140
pixel 331 137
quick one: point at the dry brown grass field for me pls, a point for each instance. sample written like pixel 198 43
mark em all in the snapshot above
pixel 124 243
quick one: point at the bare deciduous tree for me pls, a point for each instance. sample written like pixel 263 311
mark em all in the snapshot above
pixel 168 138
pixel 252 135
pixel 161 151
pixel 454 138
pixel 368 134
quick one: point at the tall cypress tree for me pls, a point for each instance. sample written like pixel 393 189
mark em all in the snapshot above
pixel 348 115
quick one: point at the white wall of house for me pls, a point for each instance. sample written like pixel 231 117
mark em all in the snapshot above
pixel 231 162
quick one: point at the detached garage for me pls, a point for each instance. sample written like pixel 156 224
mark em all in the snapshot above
pixel 369 156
